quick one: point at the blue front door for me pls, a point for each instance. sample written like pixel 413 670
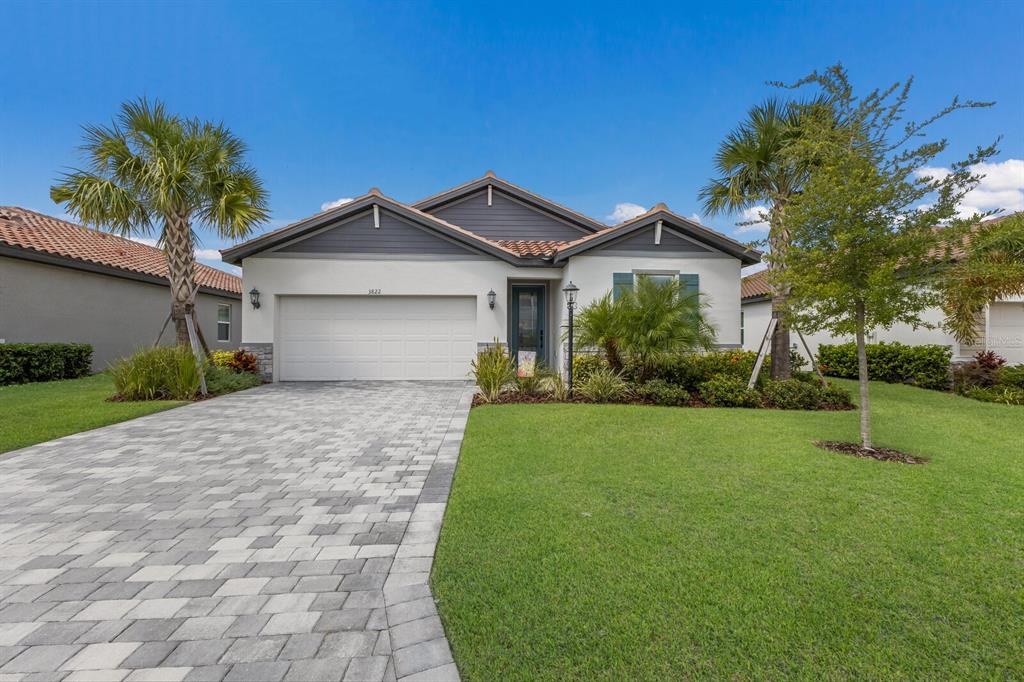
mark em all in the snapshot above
pixel 527 324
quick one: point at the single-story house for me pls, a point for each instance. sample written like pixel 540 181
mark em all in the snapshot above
pixel 61 282
pixel 381 289
pixel 1000 329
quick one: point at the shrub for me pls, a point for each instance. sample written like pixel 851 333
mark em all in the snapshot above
pixel 22 363
pixel 584 364
pixel 836 397
pixel 727 391
pixel 221 358
pixel 1007 395
pixel 660 392
pixel 792 394
pixel 689 371
pixel 558 388
pixel 1011 376
pixel 221 380
pixel 242 361
pixel 538 383
pixel 161 373
pixel 925 366
pixel 985 370
pixel 493 370
pixel 604 386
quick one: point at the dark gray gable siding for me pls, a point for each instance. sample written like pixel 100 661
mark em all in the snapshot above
pixel 643 240
pixel 358 235
pixel 506 218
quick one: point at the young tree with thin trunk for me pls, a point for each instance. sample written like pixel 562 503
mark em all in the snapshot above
pixel 864 250
pixel 756 170
pixel 155 171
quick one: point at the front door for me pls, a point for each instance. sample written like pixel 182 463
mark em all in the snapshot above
pixel 527 326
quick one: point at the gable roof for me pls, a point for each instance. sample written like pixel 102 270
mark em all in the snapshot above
pixel 448 196
pixel 298 229
pixel 35 232
pixel 690 228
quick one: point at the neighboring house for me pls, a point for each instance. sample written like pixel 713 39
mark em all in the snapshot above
pixel 61 282
pixel 379 289
pixel 1001 329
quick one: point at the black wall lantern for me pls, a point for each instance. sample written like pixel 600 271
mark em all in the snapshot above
pixel 491 296
pixel 254 298
pixel 570 292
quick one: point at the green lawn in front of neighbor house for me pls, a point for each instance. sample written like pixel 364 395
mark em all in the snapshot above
pixel 621 542
pixel 34 413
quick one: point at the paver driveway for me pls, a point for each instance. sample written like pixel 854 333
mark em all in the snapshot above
pixel 281 533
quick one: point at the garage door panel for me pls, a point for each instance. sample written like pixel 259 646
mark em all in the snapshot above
pixel 378 337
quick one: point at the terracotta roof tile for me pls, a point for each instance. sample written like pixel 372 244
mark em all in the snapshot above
pixel 755 285
pixel 26 229
pixel 532 248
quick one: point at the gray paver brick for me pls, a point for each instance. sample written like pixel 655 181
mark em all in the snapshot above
pixel 315 518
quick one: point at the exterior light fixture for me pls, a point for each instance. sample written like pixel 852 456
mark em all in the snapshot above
pixel 570 291
pixel 491 296
pixel 254 298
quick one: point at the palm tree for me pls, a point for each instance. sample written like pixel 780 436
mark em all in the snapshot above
pixel 599 325
pixel 755 170
pixel 992 268
pixel 151 168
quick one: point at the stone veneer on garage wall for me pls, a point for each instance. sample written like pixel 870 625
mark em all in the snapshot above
pixel 264 353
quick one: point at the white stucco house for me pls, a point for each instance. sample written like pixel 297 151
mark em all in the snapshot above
pixel 1001 330
pixel 381 289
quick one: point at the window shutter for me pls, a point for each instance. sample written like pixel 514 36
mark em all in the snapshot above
pixel 621 281
pixel 690 284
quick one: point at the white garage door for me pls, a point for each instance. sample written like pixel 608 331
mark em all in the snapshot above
pixel 1006 331
pixel 326 338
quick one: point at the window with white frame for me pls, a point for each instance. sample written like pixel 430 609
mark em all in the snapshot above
pixel 223 322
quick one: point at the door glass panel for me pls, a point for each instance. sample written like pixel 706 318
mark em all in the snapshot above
pixel 527 321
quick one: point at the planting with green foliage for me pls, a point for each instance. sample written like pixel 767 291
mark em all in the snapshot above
pixel 493 370
pixel 221 380
pixel 926 366
pixel 727 391
pixel 604 385
pixel 627 542
pixel 22 363
pixel 160 373
pixel 660 392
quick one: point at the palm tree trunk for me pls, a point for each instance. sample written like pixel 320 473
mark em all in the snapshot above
pixel 181 266
pixel 778 240
pixel 862 375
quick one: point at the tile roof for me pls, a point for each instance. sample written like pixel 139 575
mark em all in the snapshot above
pixel 26 229
pixel 755 286
pixel 532 248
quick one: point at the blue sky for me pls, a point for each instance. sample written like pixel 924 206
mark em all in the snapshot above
pixel 591 105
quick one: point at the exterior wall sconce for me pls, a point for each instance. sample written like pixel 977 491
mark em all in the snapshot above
pixel 254 298
pixel 491 296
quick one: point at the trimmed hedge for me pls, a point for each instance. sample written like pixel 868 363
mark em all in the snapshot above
pixel 925 366
pixel 22 363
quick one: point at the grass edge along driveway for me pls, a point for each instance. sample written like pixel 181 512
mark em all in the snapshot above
pixel 38 412
pixel 626 542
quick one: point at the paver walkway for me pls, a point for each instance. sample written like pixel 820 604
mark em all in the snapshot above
pixel 281 533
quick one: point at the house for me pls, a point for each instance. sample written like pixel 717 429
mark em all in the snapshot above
pixel 61 282
pixel 1000 330
pixel 381 289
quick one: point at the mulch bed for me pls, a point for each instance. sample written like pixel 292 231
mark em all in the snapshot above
pixel 881 454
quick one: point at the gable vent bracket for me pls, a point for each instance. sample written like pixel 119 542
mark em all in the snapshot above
pixel 657 232
pixel 376 217
pixel 490 195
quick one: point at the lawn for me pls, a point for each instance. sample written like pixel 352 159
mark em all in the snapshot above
pixel 587 542
pixel 33 413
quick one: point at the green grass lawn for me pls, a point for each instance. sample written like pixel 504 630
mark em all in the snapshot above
pixel 625 542
pixel 34 413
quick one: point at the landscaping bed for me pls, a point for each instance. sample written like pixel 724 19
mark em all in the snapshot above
pixel 612 542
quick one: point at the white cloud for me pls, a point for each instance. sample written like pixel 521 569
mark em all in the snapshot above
pixel 694 217
pixel 1001 188
pixel 754 213
pixel 148 241
pixel 624 211
pixel 208 254
pixel 328 205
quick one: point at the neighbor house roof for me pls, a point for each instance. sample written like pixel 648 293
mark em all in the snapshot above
pixel 755 286
pixel 35 232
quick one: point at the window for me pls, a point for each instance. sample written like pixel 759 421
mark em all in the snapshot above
pixel 223 322
pixel 658 278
